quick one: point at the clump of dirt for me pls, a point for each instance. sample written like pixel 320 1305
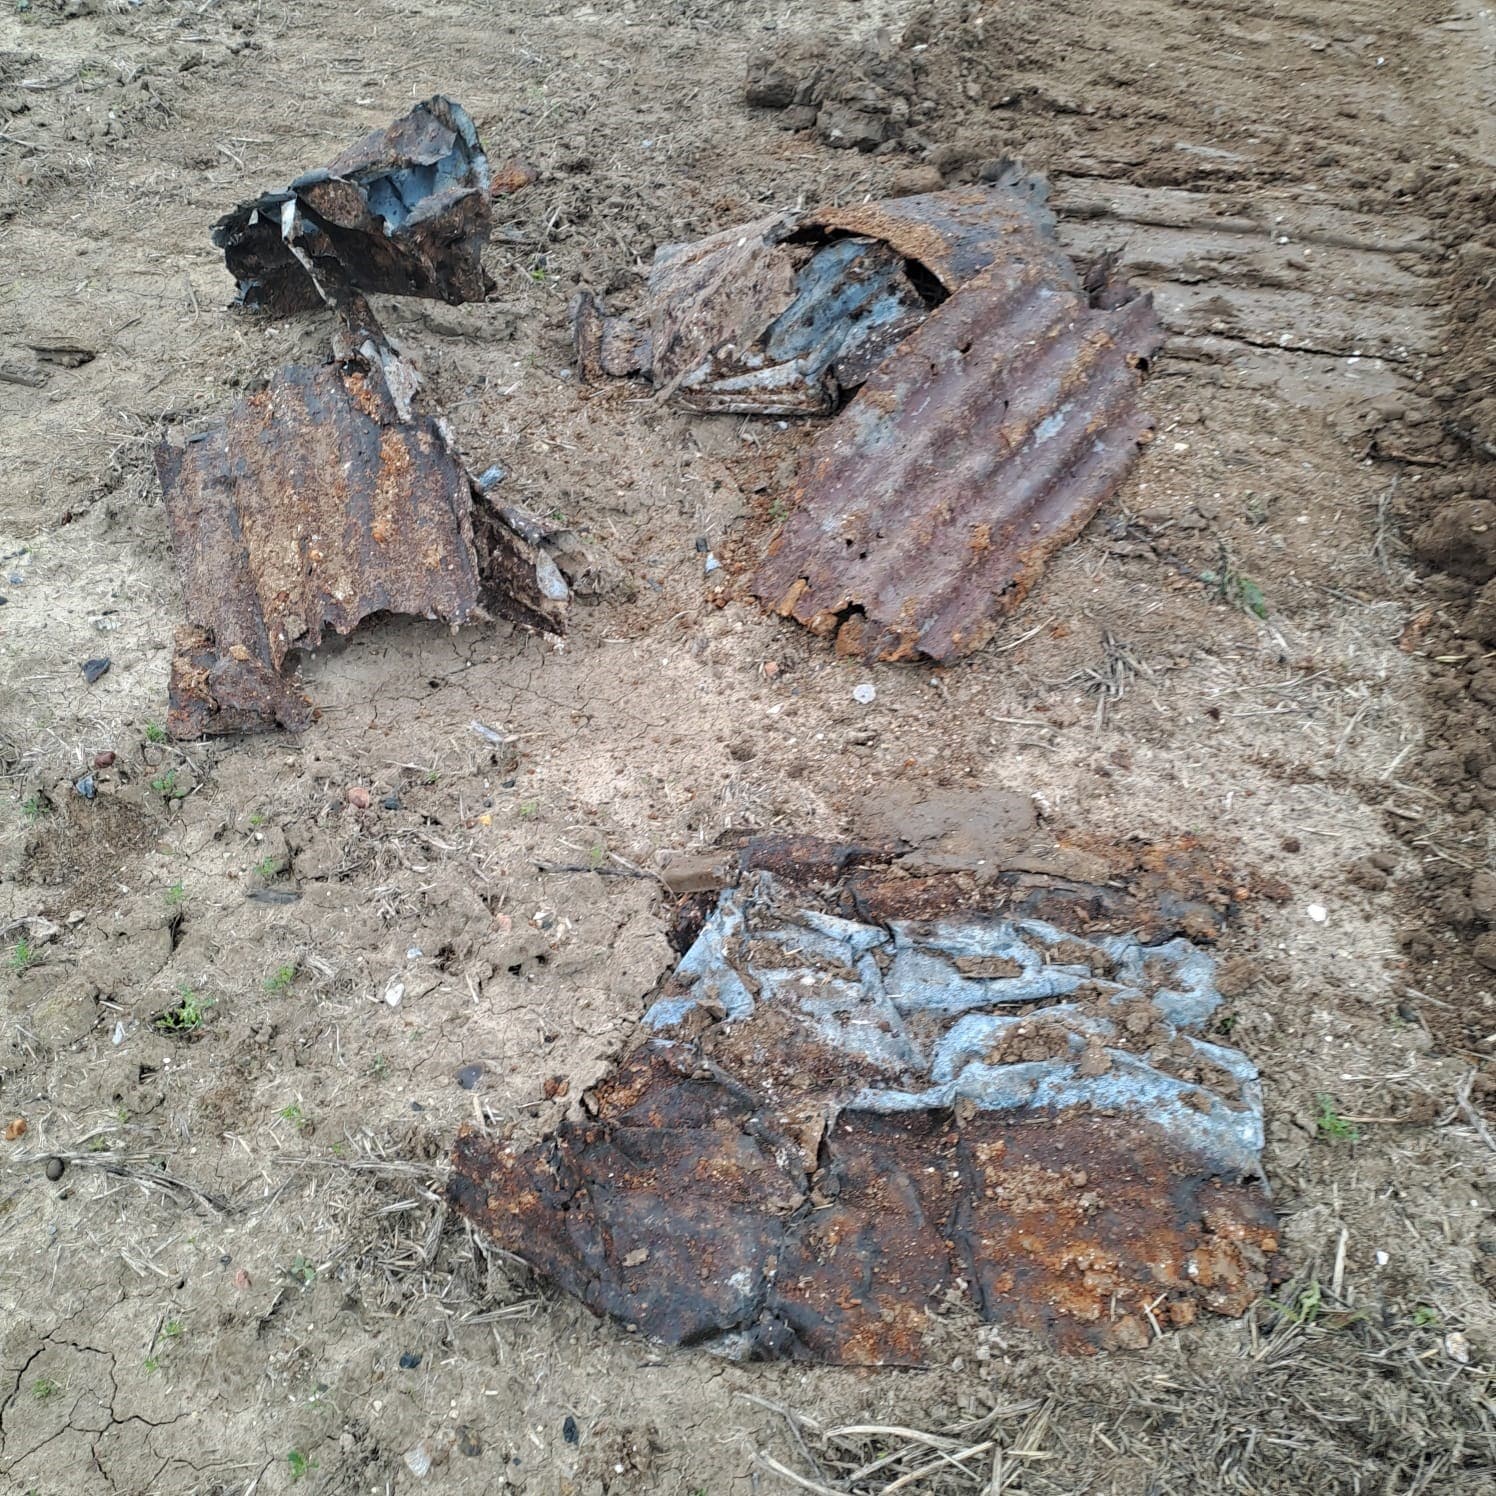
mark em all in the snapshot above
pixel 1446 824
pixel 1030 1040
pixel 921 90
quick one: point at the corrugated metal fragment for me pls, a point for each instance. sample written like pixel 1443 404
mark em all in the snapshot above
pixel 786 316
pixel 956 234
pixel 405 211
pixel 929 506
pixel 838 1129
pixel 320 500
pixel 995 403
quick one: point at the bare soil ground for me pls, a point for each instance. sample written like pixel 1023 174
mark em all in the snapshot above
pixel 245 1279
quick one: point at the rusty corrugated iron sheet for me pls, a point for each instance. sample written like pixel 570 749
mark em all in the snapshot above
pixel 956 234
pixel 929 506
pixel 786 315
pixel 993 399
pixel 836 1131
pixel 405 211
pixel 321 499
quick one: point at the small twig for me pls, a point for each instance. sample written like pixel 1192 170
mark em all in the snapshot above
pixel 137 1167
pixel 1466 1110
pixel 1014 643
pixel 785 1473
pixel 29 145
pixel 794 1421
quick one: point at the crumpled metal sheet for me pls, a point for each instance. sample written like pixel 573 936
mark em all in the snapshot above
pixel 321 499
pixel 786 315
pixel 995 407
pixel 836 1130
pixel 405 211
pixel 929 507
pixel 956 234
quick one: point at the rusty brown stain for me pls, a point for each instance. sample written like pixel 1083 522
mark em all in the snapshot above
pixel 1089 1229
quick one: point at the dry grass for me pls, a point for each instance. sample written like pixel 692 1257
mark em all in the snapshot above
pixel 1322 1400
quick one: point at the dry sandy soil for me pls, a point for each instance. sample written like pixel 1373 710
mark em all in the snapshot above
pixel 228 1288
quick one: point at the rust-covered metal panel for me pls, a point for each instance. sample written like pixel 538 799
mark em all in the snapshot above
pixel 955 234
pixel 405 211
pixel 834 1132
pixel 785 316
pixel 321 499
pixel 929 506
pixel 984 394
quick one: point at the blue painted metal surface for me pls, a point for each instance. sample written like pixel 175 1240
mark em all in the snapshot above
pixel 1124 1018
pixel 404 211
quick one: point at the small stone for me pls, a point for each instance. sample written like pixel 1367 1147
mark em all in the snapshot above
pixel 104 759
pixel 555 1085
pixel 469 1076
pixel 1291 844
pixel 96 669
pixel 1484 950
pixel 1318 913
pixel 865 694
pixel 15 1128
pixel 911 181
pixel 55 1168
pixel 358 797
pixel 1483 895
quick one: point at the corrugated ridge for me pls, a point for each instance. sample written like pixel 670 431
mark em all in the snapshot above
pixel 986 440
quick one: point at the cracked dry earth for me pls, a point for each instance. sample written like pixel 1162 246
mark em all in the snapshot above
pixel 244 1278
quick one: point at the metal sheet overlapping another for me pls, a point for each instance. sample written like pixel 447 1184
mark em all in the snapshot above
pixel 984 395
pixel 988 439
pixel 836 1131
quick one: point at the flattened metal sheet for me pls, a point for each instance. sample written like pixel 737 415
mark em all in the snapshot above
pixel 987 440
pixel 405 211
pixel 837 1130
